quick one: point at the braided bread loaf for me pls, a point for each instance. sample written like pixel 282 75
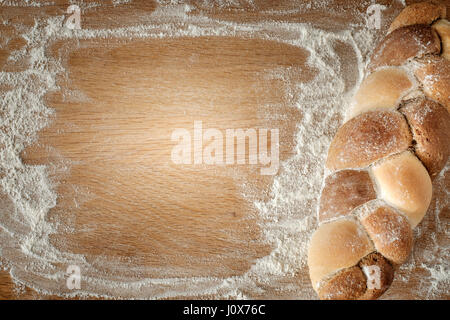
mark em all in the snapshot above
pixel 381 162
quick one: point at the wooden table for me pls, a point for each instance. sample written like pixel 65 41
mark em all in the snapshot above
pixel 116 136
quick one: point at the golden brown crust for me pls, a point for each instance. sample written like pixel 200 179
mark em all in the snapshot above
pixel 404 43
pixel 430 125
pixel 434 75
pixel 350 259
pixel 367 280
pixel 344 191
pixel 367 138
pixel 419 13
pixel 390 232
pixel 442 27
pixel 336 245
pixel 381 90
pixel 377 282
pixel 404 183
pixel 346 284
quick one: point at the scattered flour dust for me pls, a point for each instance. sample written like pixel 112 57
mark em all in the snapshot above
pixel 288 218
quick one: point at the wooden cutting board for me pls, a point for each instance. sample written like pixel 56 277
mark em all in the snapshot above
pixel 115 113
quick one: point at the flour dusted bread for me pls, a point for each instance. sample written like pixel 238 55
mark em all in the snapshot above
pixel 382 160
pixel 345 284
pixel 343 192
pixel 390 232
pixel 405 43
pixel 430 124
pixel 367 138
pixel 336 245
pixel 381 90
pixel 434 75
pixel 404 183
pixel 419 13
pixel 442 27
pixel 379 274
pixel 352 283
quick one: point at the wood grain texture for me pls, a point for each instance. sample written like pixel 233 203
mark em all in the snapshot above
pixel 115 113
pixel 120 138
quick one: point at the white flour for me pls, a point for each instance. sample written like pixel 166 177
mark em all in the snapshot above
pixel 287 219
